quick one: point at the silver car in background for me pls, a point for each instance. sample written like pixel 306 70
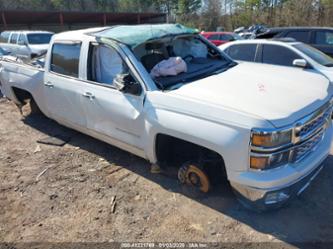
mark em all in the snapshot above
pixel 25 44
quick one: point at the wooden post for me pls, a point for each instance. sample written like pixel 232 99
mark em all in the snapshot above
pixel 104 19
pixel 4 20
pixel 61 18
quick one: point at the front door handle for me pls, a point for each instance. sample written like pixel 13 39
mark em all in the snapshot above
pixel 48 84
pixel 88 95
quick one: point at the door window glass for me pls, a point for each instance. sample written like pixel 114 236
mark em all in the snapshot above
pixel 245 52
pixel 65 59
pixel 226 37
pixel 278 55
pixel 213 37
pixel 105 64
pixel 21 39
pixel 13 38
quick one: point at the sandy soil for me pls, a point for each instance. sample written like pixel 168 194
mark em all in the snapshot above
pixel 88 191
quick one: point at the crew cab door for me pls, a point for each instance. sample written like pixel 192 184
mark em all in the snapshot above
pixel 111 112
pixel 62 86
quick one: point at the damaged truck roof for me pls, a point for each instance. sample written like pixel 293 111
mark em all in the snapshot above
pixel 134 35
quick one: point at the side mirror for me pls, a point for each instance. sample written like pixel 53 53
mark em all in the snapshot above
pixel 127 84
pixel 300 63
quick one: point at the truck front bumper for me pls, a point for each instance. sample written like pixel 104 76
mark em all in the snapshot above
pixel 272 188
pixel 263 199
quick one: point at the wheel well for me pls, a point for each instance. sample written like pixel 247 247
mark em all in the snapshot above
pixel 22 95
pixel 174 152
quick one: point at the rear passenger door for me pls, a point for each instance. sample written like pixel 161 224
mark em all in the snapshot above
pixel 62 86
pixel 243 52
pixel 278 55
pixel 323 40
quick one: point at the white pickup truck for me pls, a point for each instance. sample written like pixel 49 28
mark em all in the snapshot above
pixel 265 129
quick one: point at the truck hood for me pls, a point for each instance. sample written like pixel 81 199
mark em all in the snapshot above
pixel 280 95
pixel 328 73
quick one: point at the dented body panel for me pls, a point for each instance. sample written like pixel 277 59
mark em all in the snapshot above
pixel 216 112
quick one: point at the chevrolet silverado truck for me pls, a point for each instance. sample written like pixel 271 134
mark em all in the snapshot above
pixel 264 129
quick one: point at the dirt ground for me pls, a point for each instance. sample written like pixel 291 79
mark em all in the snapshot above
pixel 89 191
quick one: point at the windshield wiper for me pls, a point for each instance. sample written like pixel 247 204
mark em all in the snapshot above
pixel 328 65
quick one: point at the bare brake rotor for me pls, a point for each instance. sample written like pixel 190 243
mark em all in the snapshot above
pixel 194 176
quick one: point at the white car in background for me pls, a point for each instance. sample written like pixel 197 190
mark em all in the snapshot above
pixel 283 52
pixel 25 44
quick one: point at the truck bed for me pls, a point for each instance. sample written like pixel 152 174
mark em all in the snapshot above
pixel 15 73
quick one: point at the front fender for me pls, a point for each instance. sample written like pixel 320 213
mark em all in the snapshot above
pixel 231 142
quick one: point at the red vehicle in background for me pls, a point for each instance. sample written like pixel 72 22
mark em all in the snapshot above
pixel 219 38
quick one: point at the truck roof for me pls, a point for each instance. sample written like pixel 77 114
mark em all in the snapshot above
pixel 28 31
pixel 131 35
pixel 77 34
pixel 134 35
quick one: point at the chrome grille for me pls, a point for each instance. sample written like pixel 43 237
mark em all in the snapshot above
pixel 316 123
pixel 302 150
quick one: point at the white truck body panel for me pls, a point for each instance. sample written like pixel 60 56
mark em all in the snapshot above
pixel 217 112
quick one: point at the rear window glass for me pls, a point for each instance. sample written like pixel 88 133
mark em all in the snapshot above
pixel 4 37
pixel 302 36
pixel 39 38
pixel 245 52
pixel 65 59
pixel 324 38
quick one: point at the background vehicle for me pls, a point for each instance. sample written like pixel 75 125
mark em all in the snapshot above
pixel 219 38
pixel 247 35
pixel 25 44
pixel 247 123
pixel 284 52
pixel 250 32
pixel 320 38
pixel 3 52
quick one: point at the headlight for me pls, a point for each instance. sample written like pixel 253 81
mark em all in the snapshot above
pixel 269 161
pixel 271 139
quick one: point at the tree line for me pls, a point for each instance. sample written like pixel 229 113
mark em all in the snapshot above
pixel 202 14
